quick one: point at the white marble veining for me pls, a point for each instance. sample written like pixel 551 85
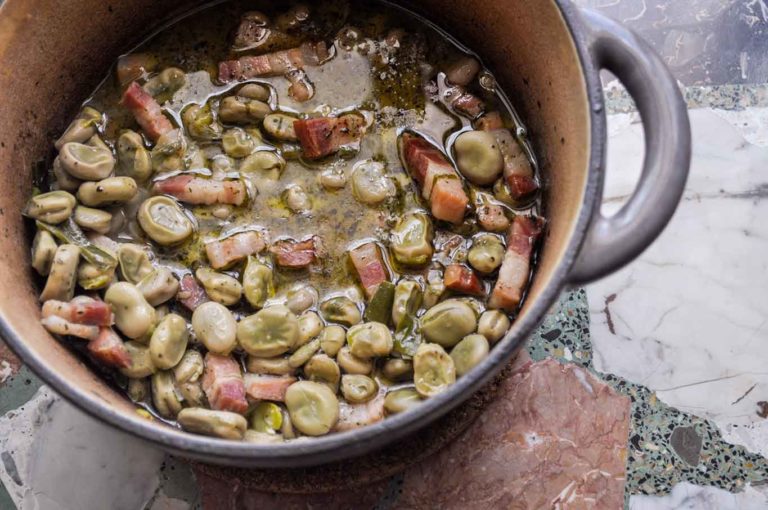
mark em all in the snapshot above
pixel 689 318
pixel 686 496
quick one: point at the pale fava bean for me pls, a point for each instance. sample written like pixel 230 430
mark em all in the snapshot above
pixel 64 181
pixel 257 282
pixel 164 394
pixel 313 407
pixel 81 129
pixel 52 207
pixel 412 240
pixel 169 151
pixel 43 251
pixel 138 389
pixel 158 286
pixel 87 162
pixel 91 276
pixel 190 367
pixel 433 370
pixel 369 340
pixel 112 190
pixel 486 254
pixel 296 199
pixel 254 91
pixel 134 262
pixel 369 183
pixel 301 298
pixel 332 338
pixel 134 317
pixel 351 364
pixel 332 178
pixel 397 369
pixel 266 163
pixel 241 110
pixel 141 361
pixel 408 296
pixel 134 160
pixel 358 389
pixel 220 287
pixel 448 322
pixel 60 284
pixel 310 326
pixel 280 126
pixel 215 327
pixel 237 143
pixel 321 368
pixel 169 341
pixel 200 122
pixel 401 400
pixel 493 325
pixel 163 220
pixel 469 352
pixel 478 157
pixel 304 353
pixel 192 393
pixel 340 309
pixel 96 220
pixel 223 424
pixel 271 366
pixel 269 332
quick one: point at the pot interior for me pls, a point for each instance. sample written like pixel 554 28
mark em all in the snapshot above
pixel 53 54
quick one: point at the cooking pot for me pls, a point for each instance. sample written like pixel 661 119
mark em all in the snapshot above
pixel 547 56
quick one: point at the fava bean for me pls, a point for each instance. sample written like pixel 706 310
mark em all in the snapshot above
pixel 134 317
pixel 257 282
pixel 192 393
pixel 310 326
pixel 190 367
pixel 303 353
pixel 267 417
pixel 53 207
pixel 134 262
pixel 223 424
pixel 163 220
pixel 486 253
pixel 401 400
pixel 332 338
pixel 320 368
pixel 313 407
pixel 448 322
pixel 169 341
pixel 493 325
pixel 164 394
pixel 269 332
pixel 280 126
pixel 134 160
pixel 138 389
pixel 341 310
pixel 351 364
pixel 64 181
pixel 141 361
pixel 166 82
pixel 412 240
pixel 271 366
pixel 87 162
pixel 60 284
pixel 332 178
pixel 469 352
pixel 81 129
pixel 369 340
pixel 201 123
pixel 43 252
pixel 408 295
pixel 158 286
pixel 112 190
pixel 254 91
pixel 237 143
pixel 301 298
pixel 396 369
pixel 478 157
pixel 358 389
pixel 370 185
pixel 90 276
pixel 220 287
pixel 241 110
pixel 215 327
pixel 267 163
pixel 433 370
pixel 168 153
pixel 93 219
pixel 296 199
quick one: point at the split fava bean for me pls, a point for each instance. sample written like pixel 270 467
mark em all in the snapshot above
pixel 401 400
pixel 190 367
pixel 237 143
pixel 141 361
pixel 134 262
pixel 321 368
pixel 351 364
pixel 267 417
pixel 412 240
pixel 201 123
pixel 269 332
pixel 192 394
pixel 96 220
pixel 134 317
pixel 257 282
pixel 313 407
pixel 164 394
pixel 470 351
pixel 112 190
pixel 271 366
pixel 332 338
pixel 433 370
pixel 369 340
pixel 62 276
pixel 304 353
pixel 169 341
pixel 215 327
pixel 493 325
pixel 448 322
pixel 408 296
pixel 53 207
pixel 220 287
pixel 134 160
pixel 223 424
pixel 240 110
pixel 87 162
pixel 310 326
pixel 43 251
pixel 163 220
pixel 158 286
pixel 91 276
pixel 358 389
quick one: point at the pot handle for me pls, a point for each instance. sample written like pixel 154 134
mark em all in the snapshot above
pixel 612 242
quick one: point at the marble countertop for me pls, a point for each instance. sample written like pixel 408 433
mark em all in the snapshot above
pixel 665 360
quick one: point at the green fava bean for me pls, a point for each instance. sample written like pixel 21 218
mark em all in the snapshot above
pixel 164 394
pixel 81 129
pixel 310 326
pixel 368 340
pixel 134 262
pixel 448 322
pixel 158 286
pixel 200 122
pixel 64 181
pixel 469 352
pixel 257 282
pixel 43 251
pixel 351 364
pixel 223 424
pixel 271 366
pixel 433 370
pixel 134 160
pixel 313 407
pixel 190 367
pixel 358 389
pixel 53 207
pixel 91 276
pixel 87 162
pixel 220 287
pixel 138 389
pixel 267 163
pixel 169 341
pixel 321 368
pixel 486 253
pixel 332 339
pixel 493 325
pixel 341 310
pixel 215 327
pixel 267 417
pixel 304 353
pixel 401 400
pixel 379 309
pixel 237 143
pixel 192 393
pixel 269 332
pixel 141 361
pixel 412 240
pixel 280 126
pixel 60 284
pixel 300 299
pixel 134 317
pixel 478 157
pixel 164 221
pixel 397 369
pixel 112 190
pixel 93 219
pixel 256 437
pixel 407 299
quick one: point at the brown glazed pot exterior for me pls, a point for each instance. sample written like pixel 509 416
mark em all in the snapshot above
pixel 545 55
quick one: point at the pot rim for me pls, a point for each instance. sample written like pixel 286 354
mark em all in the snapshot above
pixel 357 442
